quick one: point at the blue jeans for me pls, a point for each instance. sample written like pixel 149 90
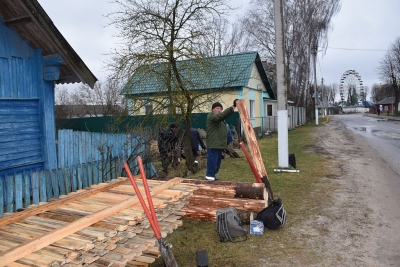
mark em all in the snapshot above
pixel 214 157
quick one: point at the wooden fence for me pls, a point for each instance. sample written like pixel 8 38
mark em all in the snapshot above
pixel 80 166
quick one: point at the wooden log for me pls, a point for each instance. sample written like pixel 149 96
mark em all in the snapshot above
pixel 27 248
pixel 203 213
pixel 253 145
pixel 50 205
pixel 217 203
pixel 232 191
pixel 205 182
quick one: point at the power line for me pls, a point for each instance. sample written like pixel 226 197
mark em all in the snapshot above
pixel 358 49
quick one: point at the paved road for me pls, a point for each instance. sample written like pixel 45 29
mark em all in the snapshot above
pixel 377 183
pixel 381 134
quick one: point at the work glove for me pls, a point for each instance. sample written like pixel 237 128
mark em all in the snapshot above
pixel 234 103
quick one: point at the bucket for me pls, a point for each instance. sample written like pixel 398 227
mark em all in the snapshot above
pixel 256 227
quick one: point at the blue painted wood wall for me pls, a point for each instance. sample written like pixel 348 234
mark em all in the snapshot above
pixel 85 159
pixel 27 122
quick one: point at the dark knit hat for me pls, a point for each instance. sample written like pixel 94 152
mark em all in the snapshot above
pixel 173 125
pixel 216 104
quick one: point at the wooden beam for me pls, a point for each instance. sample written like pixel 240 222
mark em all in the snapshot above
pixel 27 248
pixel 56 203
pixel 253 145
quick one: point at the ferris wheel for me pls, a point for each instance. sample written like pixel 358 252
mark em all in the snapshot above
pixel 351 89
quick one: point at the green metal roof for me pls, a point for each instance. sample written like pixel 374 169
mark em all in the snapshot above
pixel 221 72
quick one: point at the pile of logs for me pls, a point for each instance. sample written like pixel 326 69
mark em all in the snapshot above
pixel 247 198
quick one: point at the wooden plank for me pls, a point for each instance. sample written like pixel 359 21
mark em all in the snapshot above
pixel 54 183
pixel 96 175
pixel 10 193
pixel 253 145
pixel 27 248
pixel 18 191
pixel 79 176
pixel 74 180
pixel 61 181
pixel 1 198
pixel 85 178
pixel 27 189
pixel 89 170
pixel 42 187
pixel 56 203
pixel 49 184
pixel 35 188
pixel 67 179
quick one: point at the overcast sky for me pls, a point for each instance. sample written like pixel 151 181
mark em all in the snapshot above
pixel 360 28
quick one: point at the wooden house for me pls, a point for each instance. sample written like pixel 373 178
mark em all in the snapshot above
pixel 228 77
pixel 387 105
pixel 34 56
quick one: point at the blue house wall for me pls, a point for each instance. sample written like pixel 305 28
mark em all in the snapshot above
pixel 27 122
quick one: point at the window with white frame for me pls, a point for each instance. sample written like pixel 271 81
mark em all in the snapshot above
pixel 252 109
pixel 148 108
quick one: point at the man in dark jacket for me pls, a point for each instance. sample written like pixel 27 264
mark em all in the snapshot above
pixel 167 140
pixel 217 138
pixel 196 140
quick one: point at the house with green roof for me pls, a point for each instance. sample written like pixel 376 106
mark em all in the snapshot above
pixel 228 77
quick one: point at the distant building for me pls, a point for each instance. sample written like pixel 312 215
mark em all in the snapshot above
pixel 387 105
pixel 233 76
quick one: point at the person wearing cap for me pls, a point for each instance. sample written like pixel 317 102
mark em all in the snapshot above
pixel 217 136
pixel 167 140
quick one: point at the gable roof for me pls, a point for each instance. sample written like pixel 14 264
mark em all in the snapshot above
pixel 220 72
pixel 368 104
pixel 387 100
pixel 30 20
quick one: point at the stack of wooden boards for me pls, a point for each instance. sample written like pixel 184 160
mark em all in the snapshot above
pixel 105 225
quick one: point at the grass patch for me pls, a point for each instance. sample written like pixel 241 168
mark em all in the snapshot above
pixel 303 194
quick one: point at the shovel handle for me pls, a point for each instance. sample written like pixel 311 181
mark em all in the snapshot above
pixel 139 195
pixel 147 190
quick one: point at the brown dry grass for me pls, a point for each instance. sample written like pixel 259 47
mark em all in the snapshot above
pixel 303 195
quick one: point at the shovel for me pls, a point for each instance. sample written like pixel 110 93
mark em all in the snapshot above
pixel 165 248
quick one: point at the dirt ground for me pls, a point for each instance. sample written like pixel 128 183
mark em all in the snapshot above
pixel 360 226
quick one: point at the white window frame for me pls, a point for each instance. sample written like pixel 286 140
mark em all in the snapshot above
pixel 252 108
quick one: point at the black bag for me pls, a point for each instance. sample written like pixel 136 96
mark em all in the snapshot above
pixel 229 225
pixel 273 216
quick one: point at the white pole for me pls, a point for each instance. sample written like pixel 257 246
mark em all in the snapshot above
pixel 283 147
pixel 315 85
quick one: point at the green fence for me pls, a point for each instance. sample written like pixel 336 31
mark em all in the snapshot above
pixel 122 124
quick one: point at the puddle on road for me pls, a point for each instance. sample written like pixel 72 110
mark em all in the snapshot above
pixel 365 129
pixel 378 133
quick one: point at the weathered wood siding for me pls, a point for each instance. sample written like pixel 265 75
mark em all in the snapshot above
pixel 84 159
pixel 27 124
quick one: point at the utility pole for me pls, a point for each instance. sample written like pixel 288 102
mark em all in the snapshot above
pixel 315 84
pixel 323 98
pixel 283 146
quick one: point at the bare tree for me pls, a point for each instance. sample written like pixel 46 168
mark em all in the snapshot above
pixel 156 35
pixel 307 24
pixel 389 71
pixel 103 100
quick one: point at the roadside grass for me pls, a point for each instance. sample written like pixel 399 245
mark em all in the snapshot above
pixel 304 195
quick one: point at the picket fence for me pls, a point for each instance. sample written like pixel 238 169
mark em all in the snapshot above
pixel 84 159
